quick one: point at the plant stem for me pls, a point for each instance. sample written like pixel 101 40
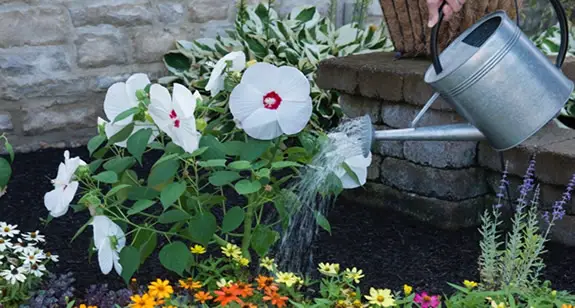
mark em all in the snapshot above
pixel 248 221
pixel 220 241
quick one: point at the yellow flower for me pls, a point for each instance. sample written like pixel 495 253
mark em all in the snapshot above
pixel 372 28
pixel 267 263
pixel 566 306
pixel 198 249
pixel 232 251
pixel 329 269
pixel 407 289
pixel 354 274
pixel 242 261
pixel 170 306
pixel 144 301
pixel 224 283
pixel 190 284
pixel 470 284
pixel 160 289
pixel 84 306
pixel 287 278
pixel 381 298
pixel 357 303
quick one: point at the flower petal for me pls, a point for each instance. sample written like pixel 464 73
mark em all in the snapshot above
pixel 358 165
pixel 184 102
pixel 216 81
pixel 101 225
pixel 136 82
pixel 359 161
pixel 245 99
pixel 264 77
pixel 117 265
pixel 111 130
pixel 160 107
pixel 294 86
pixel 238 59
pixel 186 135
pixel 58 200
pixel 294 116
pixel 262 124
pixel 116 102
pixel 106 256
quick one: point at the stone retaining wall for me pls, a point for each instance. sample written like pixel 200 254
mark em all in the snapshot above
pixel 446 183
pixel 58 57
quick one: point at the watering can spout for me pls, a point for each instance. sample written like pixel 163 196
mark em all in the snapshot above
pixel 452 132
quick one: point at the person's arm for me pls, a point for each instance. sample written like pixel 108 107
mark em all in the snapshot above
pixel 452 6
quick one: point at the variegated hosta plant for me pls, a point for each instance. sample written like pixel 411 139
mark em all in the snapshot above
pixel 301 39
pixel 548 42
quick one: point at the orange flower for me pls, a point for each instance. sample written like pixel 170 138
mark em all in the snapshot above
pixel 228 294
pixel 266 283
pixel 276 299
pixel 190 284
pixel 202 297
pixel 245 289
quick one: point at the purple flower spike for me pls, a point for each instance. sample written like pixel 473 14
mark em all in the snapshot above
pixel 503 183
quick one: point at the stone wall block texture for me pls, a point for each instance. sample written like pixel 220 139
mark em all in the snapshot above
pixel 150 44
pixel 119 13
pixel 6 122
pixel 41 25
pixel 441 154
pixel 42 118
pixel 373 171
pixel 393 148
pixel 34 62
pixel 444 184
pixel 171 12
pixel 357 106
pixel 100 46
pixel 400 116
pixel 206 10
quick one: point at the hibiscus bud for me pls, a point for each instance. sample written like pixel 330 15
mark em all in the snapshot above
pixel 83 172
pixel 141 95
pixel 201 124
pixel 148 117
pixel 251 62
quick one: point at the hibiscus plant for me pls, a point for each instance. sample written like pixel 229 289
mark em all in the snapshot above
pixel 301 39
pixel 5 168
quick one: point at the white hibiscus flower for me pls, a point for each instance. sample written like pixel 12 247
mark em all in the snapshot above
pixel 120 97
pixel 270 101
pixel 57 201
pixel 357 164
pixel 174 114
pixel 109 239
pixel 216 81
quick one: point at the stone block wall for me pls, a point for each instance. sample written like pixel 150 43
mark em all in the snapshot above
pixel 58 57
pixel 445 183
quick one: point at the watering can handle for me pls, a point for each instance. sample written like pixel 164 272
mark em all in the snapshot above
pixel 561 16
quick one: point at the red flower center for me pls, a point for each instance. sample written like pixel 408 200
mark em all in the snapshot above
pixel 272 100
pixel 174 117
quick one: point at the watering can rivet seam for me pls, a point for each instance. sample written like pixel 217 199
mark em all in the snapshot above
pixel 486 68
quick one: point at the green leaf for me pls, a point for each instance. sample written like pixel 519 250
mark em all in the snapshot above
pixel 216 150
pixel 5 172
pixel 172 216
pixel 122 135
pixel 142 193
pixel 119 164
pixel 234 148
pixel 240 165
pixel 233 219
pixel 171 193
pixel 246 187
pixel 284 164
pixel 116 189
pixel 109 177
pixel 163 172
pixel 175 256
pixel 174 148
pixel 263 173
pixel 212 163
pixel 145 241
pixel 95 143
pixel 254 149
pixel 130 261
pixel 94 165
pixel 195 153
pixel 202 228
pixel 138 142
pixel 125 114
pixel 176 62
pixel 9 149
pixel 306 14
pixel 258 48
pixel 263 237
pixel 139 206
pixel 221 178
pixel 323 222
pixel 351 173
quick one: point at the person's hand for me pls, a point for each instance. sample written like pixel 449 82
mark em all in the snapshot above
pixel 452 6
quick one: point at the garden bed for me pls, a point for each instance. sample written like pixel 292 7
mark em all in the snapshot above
pixel 389 248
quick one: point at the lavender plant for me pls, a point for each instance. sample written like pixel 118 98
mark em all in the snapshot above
pixel 518 260
pixel 53 293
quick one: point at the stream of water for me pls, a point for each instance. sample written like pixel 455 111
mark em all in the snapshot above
pixel 294 253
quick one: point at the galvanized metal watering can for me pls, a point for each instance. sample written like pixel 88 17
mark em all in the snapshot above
pixel 494 77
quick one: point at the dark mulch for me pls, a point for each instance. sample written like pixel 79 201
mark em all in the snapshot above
pixel 389 248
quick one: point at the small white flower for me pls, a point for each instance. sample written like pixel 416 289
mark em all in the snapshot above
pixel 271 101
pixel 32 256
pixel 7 230
pixel 216 82
pixel 34 269
pixel 174 114
pixel 53 258
pixel 34 237
pixel 22 247
pixel 14 274
pixel 4 244
pixel 109 239
pixel 224 283
pixel 120 97
pixel 57 201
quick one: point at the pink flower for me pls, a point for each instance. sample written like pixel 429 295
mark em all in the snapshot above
pixel 426 301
